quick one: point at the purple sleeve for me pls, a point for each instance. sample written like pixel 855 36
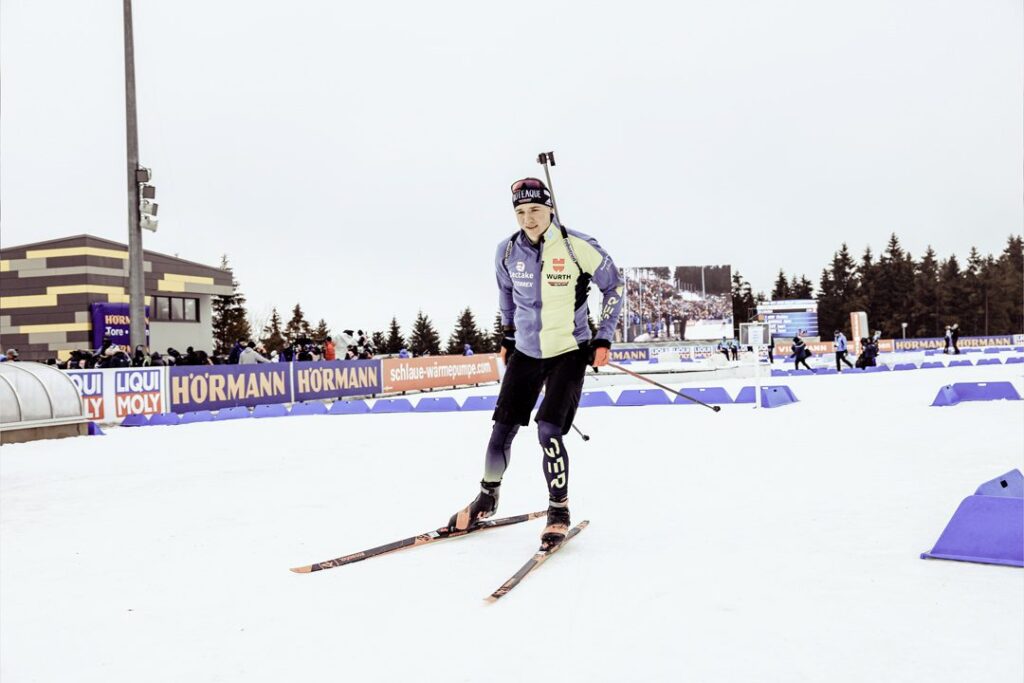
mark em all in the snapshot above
pixel 505 303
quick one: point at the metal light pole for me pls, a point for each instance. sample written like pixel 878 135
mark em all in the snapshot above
pixel 136 267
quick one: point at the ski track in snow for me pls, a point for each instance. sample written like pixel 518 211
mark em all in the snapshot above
pixel 748 545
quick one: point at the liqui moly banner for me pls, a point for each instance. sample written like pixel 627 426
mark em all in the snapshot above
pixel 337 378
pixel 112 394
pixel 90 387
pixel 213 387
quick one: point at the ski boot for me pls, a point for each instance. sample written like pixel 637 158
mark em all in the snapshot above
pixel 558 524
pixel 483 506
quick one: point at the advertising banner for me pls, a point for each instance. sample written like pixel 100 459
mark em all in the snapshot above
pixel 337 378
pixel 90 387
pixel 112 394
pixel 619 354
pixel 940 342
pixel 113 321
pixel 223 386
pixel 410 374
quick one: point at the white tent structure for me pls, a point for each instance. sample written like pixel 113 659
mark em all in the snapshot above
pixel 38 401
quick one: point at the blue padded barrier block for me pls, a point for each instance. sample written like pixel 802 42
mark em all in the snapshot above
pixel 94 430
pixel 971 351
pixel 165 419
pixel 826 371
pixel 712 395
pixel 774 397
pixel 1015 359
pixel 135 421
pixel 928 365
pixel 233 413
pixel 196 416
pixel 771 396
pixel 594 399
pixel 643 397
pixel 480 403
pixel 904 366
pixel 877 368
pixel 442 404
pixel 391 405
pixel 653 361
pixel 270 410
pixel 1019 349
pixel 801 372
pixel 932 352
pixel 1009 485
pixel 985 529
pixel 778 373
pixel 996 349
pixel 310 408
pixel 624 361
pixel 952 394
pixel 349 408
pixel 989 361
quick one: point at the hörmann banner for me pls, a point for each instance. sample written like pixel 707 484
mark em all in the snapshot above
pixel 431 372
pixel 963 342
pixel 338 378
pixel 222 386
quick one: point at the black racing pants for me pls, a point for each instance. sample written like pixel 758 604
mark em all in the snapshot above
pixel 561 378
pixel 841 356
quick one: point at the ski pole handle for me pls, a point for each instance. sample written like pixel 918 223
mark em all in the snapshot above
pixel 662 386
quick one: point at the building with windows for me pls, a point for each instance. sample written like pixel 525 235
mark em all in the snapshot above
pixel 50 293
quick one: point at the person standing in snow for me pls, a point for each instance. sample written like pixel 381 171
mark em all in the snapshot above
pixel 800 353
pixel 543 273
pixel 840 346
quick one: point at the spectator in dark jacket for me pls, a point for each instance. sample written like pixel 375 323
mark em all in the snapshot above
pixel 236 351
pixel 800 353
pixel 954 337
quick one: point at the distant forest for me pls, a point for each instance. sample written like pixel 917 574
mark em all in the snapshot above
pixel 984 295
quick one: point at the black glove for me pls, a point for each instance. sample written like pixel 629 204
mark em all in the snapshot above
pixel 596 344
pixel 508 341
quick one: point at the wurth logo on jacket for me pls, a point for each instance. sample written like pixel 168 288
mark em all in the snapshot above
pixel 543 293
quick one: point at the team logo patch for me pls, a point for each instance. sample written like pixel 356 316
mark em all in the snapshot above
pixel 520 266
pixel 558 264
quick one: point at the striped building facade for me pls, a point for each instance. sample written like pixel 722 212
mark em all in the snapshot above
pixel 46 290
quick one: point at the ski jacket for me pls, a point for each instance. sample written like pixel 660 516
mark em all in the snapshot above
pixel 840 342
pixel 542 290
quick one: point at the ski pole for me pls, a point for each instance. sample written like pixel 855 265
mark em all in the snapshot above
pixel 585 437
pixel 662 386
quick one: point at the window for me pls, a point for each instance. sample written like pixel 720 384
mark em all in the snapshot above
pixel 176 308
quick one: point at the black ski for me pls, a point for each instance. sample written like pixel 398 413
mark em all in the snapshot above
pixel 538 559
pixel 413 541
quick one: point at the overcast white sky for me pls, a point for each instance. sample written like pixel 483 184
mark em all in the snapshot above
pixel 357 157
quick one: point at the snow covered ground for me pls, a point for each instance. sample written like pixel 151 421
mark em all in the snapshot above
pixel 748 545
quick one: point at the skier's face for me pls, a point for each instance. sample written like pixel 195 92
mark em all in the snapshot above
pixel 534 219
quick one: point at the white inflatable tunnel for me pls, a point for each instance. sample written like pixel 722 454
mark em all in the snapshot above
pixel 38 401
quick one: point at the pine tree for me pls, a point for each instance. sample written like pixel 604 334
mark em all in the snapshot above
pixel 925 308
pixel 466 332
pixel 743 304
pixel 497 333
pixel 394 342
pixel 951 292
pixel 297 327
pixel 802 288
pixel 379 342
pixel 424 338
pixel 230 319
pixel 321 332
pixel 894 289
pixel 864 293
pixel 781 289
pixel 272 338
pixel 1009 278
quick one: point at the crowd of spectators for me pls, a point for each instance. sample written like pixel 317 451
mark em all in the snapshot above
pixel 657 308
